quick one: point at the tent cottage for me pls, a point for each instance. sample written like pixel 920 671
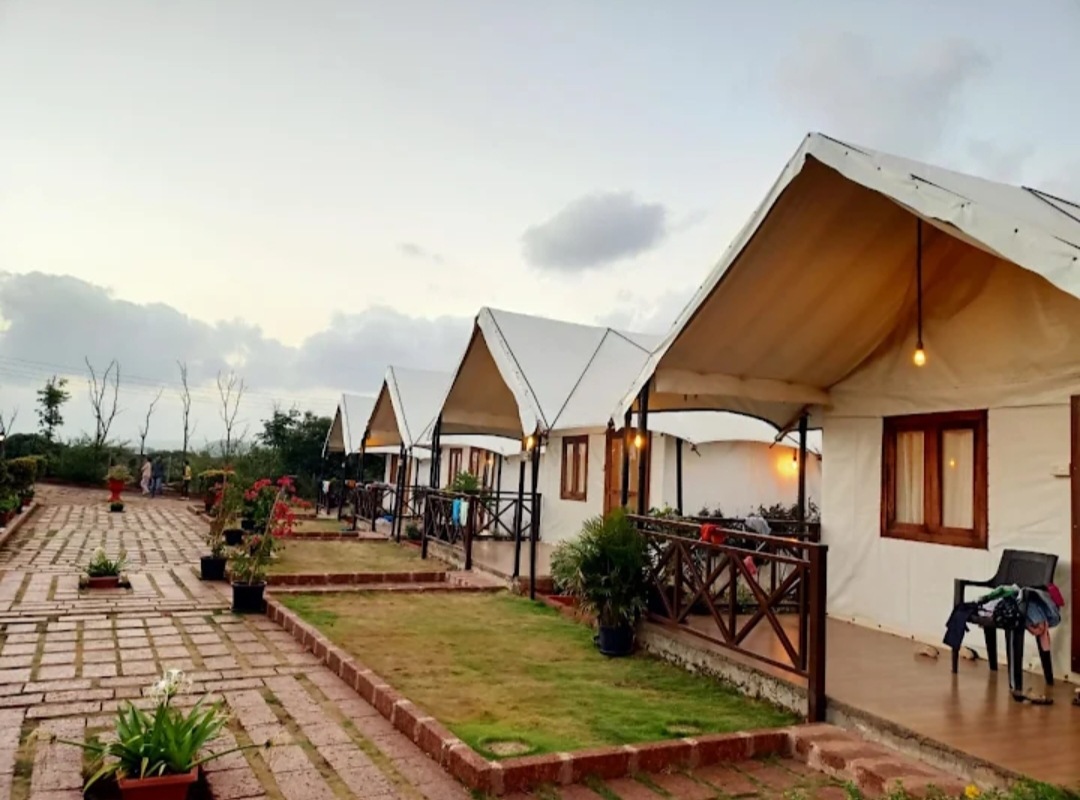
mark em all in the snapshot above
pixel 552 384
pixel 929 323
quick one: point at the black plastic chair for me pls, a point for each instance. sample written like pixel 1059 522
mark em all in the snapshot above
pixel 1021 568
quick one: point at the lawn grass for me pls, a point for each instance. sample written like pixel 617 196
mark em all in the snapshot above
pixel 320 557
pixel 498 668
pixel 322 525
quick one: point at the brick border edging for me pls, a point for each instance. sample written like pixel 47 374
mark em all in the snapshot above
pixel 19 521
pixel 526 772
pixel 352 578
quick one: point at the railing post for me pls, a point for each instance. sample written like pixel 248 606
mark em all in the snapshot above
pixel 470 523
pixel 816 633
pixel 534 518
pixel 519 519
pixel 424 529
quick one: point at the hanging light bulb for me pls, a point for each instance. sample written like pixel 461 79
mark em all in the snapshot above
pixel 639 441
pixel 919 356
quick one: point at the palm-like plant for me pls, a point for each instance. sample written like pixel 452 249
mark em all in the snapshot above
pixel 605 568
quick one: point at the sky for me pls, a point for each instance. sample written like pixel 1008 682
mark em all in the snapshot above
pixel 307 192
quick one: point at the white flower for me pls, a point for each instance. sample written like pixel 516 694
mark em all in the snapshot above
pixel 172 683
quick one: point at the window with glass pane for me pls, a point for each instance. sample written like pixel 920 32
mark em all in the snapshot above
pixel 934 481
pixel 575 458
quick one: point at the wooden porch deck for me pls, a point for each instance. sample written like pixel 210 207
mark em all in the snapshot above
pixel 972 712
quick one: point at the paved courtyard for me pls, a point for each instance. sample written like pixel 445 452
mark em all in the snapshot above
pixel 68 659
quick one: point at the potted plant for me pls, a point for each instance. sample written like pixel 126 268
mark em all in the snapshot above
pixel 9 506
pixel 156 754
pixel 247 569
pixel 605 569
pixel 103 572
pixel 259 499
pixel 117 477
pixel 211 481
pixel 228 501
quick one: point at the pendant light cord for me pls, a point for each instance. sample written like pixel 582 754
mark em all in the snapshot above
pixel 918 276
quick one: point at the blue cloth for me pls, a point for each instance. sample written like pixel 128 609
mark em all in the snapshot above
pixel 455 511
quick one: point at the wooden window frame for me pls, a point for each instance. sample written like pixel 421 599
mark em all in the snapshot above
pixel 394 467
pixel 579 467
pixel 452 454
pixel 931 531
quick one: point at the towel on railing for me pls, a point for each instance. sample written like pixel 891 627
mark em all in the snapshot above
pixel 455 511
pixel 712 533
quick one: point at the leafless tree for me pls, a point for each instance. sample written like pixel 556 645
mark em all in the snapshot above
pixel 144 429
pixel 185 401
pixel 231 391
pixel 105 409
pixel 6 424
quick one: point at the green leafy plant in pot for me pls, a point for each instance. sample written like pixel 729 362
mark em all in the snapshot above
pixel 605 569
pixel 117 477
pixel 156 754
pixel 103 572
pixel 247 568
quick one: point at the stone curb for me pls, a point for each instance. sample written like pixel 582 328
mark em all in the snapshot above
pixel 526 772
pixel 18 522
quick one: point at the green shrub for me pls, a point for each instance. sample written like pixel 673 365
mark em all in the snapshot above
pixel 465 483
pixel 22 472
pixel 81 463
pixel 605 568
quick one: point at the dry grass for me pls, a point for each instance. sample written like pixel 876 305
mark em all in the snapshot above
pixel 497 668
pixel 298 557
pixel 322 525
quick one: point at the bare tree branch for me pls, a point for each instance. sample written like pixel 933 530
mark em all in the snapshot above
pixel 7 423
pixel 185 401
pixel 231 391
pixel 104 410
pixel 144 429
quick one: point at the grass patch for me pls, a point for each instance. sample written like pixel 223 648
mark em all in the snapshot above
pixel 498 668
pixel 312 525
pixel 298 557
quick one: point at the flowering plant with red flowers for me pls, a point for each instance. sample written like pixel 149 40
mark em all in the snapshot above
pixel 249 561
pixel 282 519
pixel 259 501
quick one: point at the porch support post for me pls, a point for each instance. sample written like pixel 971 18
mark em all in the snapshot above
pixel 399 495
pixel 341 488
pixel 802 472
pixel 624 496
pixel 534 518
pixel 678 477
pixel 519 518
pixel 644 454
pixel 359 487
pixel 817 558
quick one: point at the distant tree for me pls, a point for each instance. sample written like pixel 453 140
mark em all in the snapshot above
pixel 51 399
pixel 231 391
pixel 144 429
pixel 105 409
pixel 185 403
pixel 297 440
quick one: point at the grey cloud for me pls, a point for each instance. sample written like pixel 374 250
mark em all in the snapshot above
pixel 1000 163
pixel 413 250
pixel 848 91
pixel 56 320
pixel 593 231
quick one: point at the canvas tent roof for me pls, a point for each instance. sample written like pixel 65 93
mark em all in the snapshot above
pixel 522 374
pixel 706 427
pixel 350 418
pixel 821 282
pixel 405 412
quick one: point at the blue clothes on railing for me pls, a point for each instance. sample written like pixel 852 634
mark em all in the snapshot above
pixel 455 511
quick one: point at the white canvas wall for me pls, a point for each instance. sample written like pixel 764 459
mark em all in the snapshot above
pixel 907 587
pixel 561 519
pixel 736 476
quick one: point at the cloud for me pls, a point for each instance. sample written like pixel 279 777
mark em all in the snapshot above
pixel 51 322
pixel 593 231
pixel 647 314
pixel 413 250
pixel 848 91
pixel 1000 163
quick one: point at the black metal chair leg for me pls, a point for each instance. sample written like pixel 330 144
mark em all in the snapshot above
pixel 990 633
pixel 955 659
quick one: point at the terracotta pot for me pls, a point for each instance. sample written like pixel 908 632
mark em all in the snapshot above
pixel 248 598
pixel 106 582
pixel 167 787
pixel 115 487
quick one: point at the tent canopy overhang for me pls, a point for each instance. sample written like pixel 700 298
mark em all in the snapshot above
pixel 815 300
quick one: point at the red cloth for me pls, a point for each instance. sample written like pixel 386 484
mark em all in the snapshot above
pixel 751 567
pixel 712 533
pixel 1055 595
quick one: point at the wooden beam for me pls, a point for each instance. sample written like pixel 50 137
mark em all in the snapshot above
pixel 685 382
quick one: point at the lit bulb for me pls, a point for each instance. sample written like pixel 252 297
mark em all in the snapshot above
pixel 639 442
pixel 529 442
pixel 920 357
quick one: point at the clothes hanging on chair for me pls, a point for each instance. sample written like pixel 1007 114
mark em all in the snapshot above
pixel 957 625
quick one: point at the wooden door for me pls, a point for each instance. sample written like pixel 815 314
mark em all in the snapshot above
pixel 1074 481
pixel 613 460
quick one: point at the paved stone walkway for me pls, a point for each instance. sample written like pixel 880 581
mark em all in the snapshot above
pixel 67 660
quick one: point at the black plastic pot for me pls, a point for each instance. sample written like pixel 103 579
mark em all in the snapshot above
pixel 212 568
pixel 248 598
pixel 615 642
pixel 234 536
pixel 247 523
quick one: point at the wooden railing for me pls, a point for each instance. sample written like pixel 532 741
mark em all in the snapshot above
pixel 761 596
pixel 491 515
